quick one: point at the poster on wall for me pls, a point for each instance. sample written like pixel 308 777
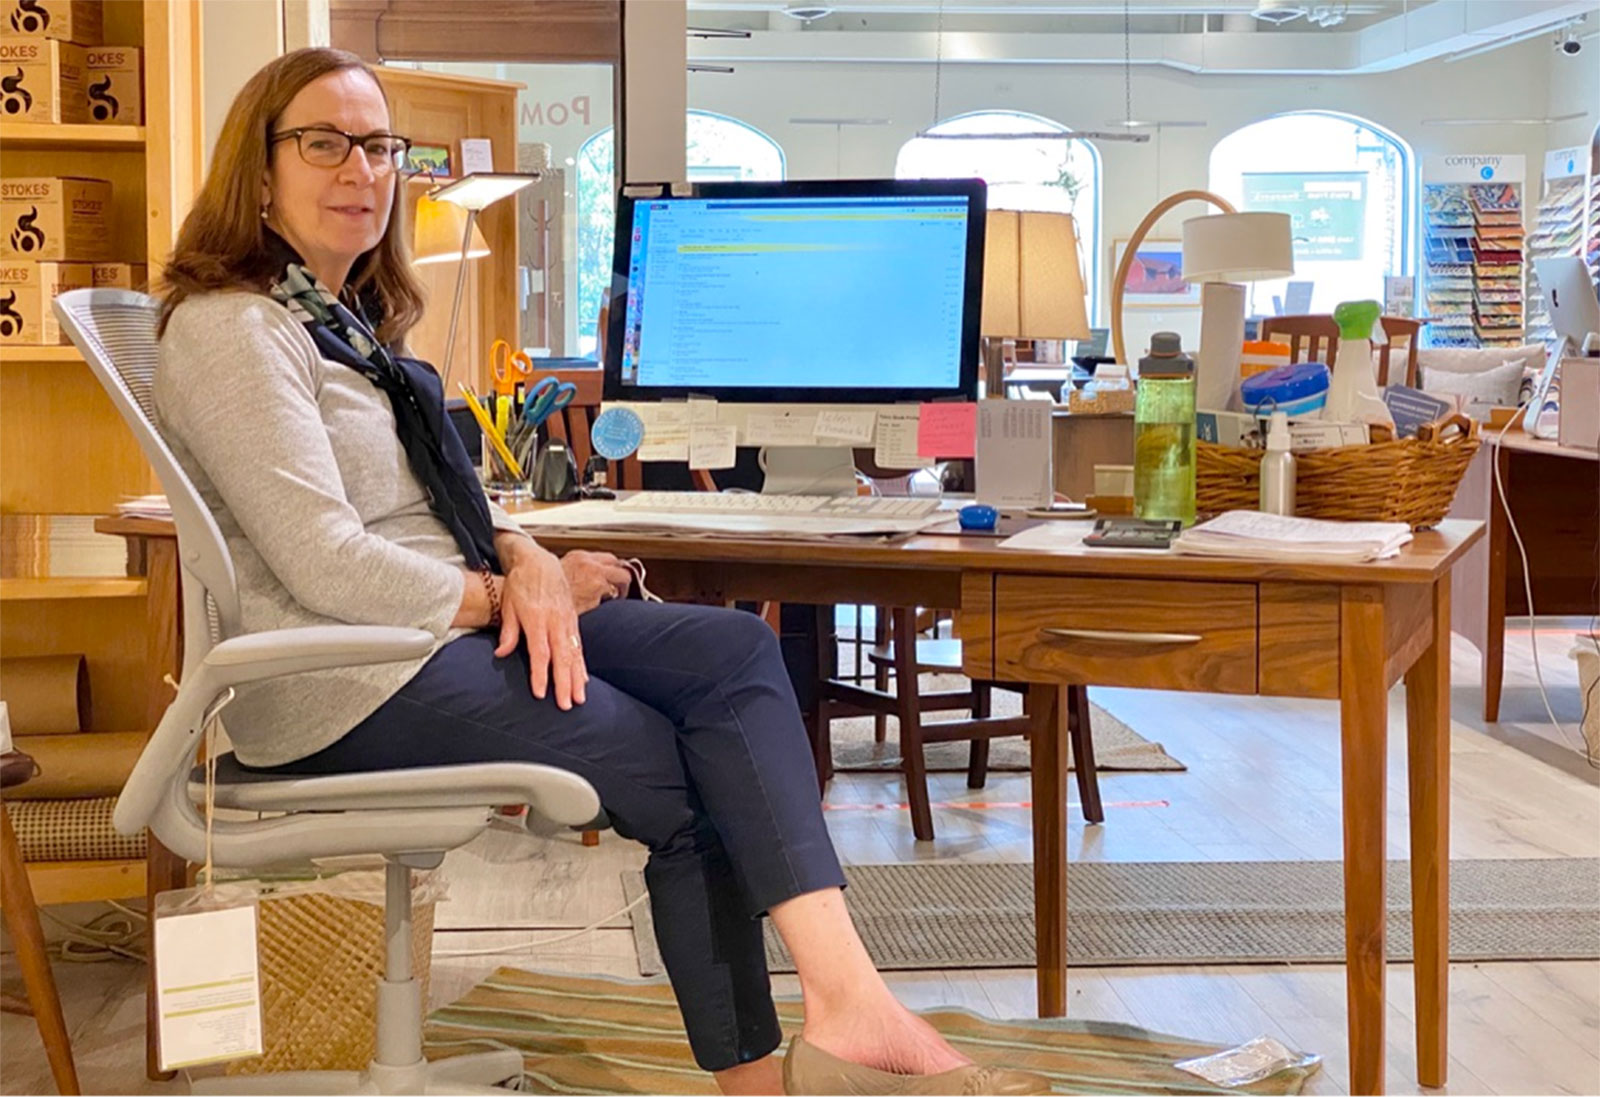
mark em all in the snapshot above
pixel 1155 277
pixel 1327 209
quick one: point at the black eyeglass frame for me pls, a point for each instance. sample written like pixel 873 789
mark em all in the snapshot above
pixel 396 161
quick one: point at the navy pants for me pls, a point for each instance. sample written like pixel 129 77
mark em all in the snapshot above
pixel 692 737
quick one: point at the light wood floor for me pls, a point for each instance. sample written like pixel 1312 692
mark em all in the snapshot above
pixel 1262 784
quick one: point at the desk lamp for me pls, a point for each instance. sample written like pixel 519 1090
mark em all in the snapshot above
pixel 1220 251
pixel 1032 285
pixel 442 210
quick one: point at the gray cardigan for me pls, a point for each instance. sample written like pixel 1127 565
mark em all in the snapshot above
pixel 298 459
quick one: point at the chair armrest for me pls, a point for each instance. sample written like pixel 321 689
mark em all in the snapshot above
pixel 249 658
pixel 260 655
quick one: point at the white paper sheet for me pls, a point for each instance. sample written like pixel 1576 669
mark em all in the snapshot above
pixel 838 424
pixel 780 428
pixel 1013 454
pixel 207 986
pixel 666 431
pixel 1050 536
pixel 713 445
pixel 897 440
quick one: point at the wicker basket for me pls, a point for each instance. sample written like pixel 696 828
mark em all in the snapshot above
pixel 321 954
pixel 1409 480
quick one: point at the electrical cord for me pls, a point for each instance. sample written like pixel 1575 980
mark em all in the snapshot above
pixel 116 933
pixel 535 946
pixel 1590 755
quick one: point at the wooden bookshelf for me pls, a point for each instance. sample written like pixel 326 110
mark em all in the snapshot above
pixel 69 586
pixel 19 136
pixel 40 354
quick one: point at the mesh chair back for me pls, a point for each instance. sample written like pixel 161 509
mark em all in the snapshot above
pixel 115 330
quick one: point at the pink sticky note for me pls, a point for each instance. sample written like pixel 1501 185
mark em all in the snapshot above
pixel 947 430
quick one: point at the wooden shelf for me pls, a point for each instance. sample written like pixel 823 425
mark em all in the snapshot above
pixel 71 586
pixel 46 135
pixel 67 353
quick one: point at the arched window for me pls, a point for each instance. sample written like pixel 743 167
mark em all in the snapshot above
pixel 719 148
pixel 1026 167
pixel 1348 184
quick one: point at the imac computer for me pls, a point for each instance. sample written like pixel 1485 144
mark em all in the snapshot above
pixel 794 297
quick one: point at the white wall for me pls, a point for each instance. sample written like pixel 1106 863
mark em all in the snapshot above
pixel 238 37
pixel 1574 87
pixel 1509 83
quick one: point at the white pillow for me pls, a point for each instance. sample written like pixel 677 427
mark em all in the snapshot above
pixel 1440 360
pixel 1496 385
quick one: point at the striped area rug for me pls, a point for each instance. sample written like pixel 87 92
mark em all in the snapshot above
pixel 593 1034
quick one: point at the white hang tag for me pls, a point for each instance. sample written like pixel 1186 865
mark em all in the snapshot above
pixel 208 982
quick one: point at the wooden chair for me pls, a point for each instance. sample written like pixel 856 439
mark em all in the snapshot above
pixel 1311 338
pixel 906 661
pixel 1402 333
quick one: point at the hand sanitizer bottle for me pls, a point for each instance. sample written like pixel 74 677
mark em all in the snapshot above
pixel 1277 469
pixel 1353 393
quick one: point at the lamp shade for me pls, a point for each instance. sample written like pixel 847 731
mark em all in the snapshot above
pixel 1238 247
pixel 437 232
pixel 482 189
pixel 1032 285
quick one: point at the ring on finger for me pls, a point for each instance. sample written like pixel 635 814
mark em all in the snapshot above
pixel 575 640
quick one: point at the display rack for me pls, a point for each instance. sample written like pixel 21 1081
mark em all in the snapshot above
pixel 1558 230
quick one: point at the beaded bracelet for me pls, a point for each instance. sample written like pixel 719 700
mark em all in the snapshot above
pixel 494 595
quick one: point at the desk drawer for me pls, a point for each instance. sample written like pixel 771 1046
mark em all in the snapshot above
pixel 1143 633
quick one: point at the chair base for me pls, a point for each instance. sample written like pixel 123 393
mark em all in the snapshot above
pixel 476 1073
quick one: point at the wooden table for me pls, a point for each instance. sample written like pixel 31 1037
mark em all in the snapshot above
pixel 1554 492
pixel 1336 631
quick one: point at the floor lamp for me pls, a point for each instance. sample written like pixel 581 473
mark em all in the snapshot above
pixel 1032 284
pixel 443 208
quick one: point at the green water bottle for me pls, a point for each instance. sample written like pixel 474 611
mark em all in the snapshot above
pixel 1163 438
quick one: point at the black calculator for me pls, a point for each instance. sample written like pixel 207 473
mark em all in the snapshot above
pixel 1134 533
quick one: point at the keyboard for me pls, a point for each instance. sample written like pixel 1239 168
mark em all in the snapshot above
pixel 790 506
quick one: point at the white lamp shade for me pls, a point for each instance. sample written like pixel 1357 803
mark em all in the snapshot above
pixel 1238 247
pixel 482 189
pixel 1032 285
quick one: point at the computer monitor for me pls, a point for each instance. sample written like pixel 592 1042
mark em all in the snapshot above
pixel 1570 296
pixel 799 294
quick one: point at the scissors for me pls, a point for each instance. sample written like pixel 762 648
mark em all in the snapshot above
pixel 545 399
pixel 511 368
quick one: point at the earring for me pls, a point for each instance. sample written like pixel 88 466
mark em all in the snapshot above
pixel 264 212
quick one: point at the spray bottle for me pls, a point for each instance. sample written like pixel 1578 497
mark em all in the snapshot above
pixel 1353 393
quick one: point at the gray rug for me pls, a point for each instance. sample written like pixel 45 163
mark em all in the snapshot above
pixel 952 915
pixel 1116 745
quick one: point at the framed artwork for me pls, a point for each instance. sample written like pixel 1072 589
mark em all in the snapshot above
pixel 432 160
pixel 1155 278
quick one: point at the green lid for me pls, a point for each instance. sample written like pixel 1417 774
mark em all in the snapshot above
pixel 1356 319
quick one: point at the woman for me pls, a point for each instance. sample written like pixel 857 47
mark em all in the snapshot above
pixel 344 497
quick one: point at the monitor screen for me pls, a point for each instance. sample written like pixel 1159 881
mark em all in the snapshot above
pixel 836 292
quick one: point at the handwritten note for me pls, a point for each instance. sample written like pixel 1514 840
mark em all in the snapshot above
pixel 712 445
pixel 947 430
pixel 780 428
pixel 666 432
pixel 838 424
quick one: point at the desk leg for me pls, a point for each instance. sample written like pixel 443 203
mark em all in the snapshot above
pixel 22 920
pixel 1049 763
pixel 1494 644
pixel 1428 773
pixel 1363 721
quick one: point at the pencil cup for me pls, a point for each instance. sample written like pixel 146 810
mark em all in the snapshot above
pixel 499 481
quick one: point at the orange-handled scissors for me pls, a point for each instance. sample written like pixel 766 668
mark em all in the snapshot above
pixel 510 368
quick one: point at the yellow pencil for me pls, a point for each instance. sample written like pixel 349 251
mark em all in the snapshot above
pixel 487 426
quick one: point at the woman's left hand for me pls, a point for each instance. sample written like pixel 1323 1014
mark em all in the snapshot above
pixel 595 577
pixel 537 607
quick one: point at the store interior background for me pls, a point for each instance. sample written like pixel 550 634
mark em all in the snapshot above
pixel 1442 82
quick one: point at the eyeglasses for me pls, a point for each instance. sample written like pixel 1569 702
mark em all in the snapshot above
pixel 325 147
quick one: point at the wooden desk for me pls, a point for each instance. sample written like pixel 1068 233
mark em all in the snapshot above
pixel 1554 492
pixel 1345 632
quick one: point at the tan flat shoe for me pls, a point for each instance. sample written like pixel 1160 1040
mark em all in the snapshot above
pixel 809 1070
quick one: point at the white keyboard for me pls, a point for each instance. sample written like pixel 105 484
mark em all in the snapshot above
pixel 792 506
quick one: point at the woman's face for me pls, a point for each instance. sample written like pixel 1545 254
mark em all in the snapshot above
pixel 331 214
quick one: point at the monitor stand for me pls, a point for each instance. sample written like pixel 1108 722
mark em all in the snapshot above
pixel 809 470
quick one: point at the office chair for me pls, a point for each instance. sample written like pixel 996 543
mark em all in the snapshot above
pixel 412 817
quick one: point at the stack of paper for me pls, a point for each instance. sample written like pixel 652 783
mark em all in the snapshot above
pixel 145 506
pixel 1256 536
pixel 603 515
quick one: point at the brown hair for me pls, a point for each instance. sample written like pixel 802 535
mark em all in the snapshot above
pixel 223 246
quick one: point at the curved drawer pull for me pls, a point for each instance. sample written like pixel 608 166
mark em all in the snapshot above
pixel 1165 639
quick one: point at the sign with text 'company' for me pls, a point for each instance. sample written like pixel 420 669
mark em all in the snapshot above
pixel 1327 209
pixel 1457 167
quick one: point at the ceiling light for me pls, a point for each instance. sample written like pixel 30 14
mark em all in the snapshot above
pixel 1279 11
pixel 807 13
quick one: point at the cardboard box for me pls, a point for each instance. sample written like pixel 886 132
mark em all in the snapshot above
pixel 112 85
pixel 26 291
pixel 1579 425
pixel 66 20
pixel 42 80
pixel 60 219
pixel 119 275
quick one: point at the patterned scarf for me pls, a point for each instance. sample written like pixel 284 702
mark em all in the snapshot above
pixel 433 448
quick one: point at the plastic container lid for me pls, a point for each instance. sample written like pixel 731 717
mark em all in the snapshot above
pixel 1166 357
pixel 1285 384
